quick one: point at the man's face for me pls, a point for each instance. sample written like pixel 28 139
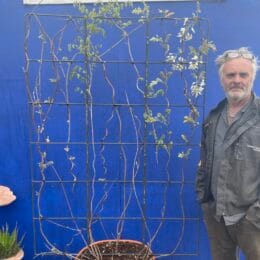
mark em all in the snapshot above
pixel 237 79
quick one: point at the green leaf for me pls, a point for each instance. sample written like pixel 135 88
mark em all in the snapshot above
pixel 9 243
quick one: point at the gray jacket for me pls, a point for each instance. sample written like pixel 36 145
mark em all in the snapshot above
pixel 241 166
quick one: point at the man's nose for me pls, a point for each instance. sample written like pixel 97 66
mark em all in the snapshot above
pixel 237 78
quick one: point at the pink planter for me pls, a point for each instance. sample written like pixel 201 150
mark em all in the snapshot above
pixel 6 196
pixel 116 249
pixel 18 256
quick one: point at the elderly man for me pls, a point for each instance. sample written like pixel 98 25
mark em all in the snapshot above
pixel 228 180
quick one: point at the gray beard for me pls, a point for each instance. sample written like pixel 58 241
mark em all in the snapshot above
pixel 237 99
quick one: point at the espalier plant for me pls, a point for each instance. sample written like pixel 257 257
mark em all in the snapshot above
pixel 9 242
pixel 186 58
pixel 171 66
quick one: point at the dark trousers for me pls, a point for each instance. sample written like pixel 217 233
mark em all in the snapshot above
pixel 225 240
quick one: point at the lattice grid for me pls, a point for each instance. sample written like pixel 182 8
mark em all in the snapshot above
pixel 115 130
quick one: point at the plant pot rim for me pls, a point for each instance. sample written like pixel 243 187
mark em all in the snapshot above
pixel 18 256
pixel 113 240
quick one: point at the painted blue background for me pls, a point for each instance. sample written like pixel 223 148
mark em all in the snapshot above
pixel 233 23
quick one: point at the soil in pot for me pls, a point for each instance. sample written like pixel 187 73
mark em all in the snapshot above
pixel 116 250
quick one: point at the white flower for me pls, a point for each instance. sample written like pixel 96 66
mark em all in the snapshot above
pixel 188 36
pixel 178 67
pixel 195 58
pixel 66 149
pixel 197 89
pixel 156 38
pixel 181 33
pixel 193 65
pixel 184 34
pixel 170 57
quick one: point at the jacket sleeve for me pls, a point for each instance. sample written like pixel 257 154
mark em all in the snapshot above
pixel 253 213
pixel 201 172
pixel 203 179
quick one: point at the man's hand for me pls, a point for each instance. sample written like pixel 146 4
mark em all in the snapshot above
pixel 6 196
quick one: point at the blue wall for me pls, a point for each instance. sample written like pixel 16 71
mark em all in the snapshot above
pixel 233 23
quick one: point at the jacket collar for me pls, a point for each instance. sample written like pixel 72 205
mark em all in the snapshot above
pixel 250 118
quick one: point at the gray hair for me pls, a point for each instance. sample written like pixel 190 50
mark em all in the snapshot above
pixel 243 52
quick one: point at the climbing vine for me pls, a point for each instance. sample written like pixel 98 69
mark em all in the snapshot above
pixel 116 95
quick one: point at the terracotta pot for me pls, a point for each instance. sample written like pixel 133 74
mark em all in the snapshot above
pixel 18 256
pixel 6 196
pixel 116 249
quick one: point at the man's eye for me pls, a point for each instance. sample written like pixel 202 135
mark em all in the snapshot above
pixel 230 75
pixel 243 75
